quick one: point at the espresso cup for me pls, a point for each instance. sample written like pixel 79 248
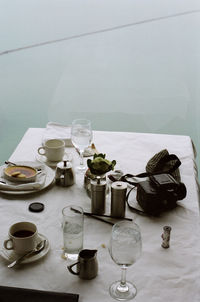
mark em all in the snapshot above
pixel 22 237
pixel 53 149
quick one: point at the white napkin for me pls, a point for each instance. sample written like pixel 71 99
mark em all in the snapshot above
pixel 88 152
pixel 56 130
pixel 13 186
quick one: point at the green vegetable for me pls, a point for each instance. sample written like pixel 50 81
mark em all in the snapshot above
pixel 100 165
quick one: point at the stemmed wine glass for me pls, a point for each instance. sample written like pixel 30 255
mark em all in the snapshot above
pixel 125 248
pixel 81 137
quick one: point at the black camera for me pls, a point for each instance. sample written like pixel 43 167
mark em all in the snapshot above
pixel 159 193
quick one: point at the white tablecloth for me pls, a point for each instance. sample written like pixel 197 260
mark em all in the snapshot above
pixel 160 274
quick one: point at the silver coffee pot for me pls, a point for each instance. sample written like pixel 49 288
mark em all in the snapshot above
pixel 64 174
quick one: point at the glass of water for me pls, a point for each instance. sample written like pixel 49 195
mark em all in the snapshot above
pixel 72 231
pixel 81 137
pixel 125 249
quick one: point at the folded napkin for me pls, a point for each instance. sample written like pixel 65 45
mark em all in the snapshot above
pixel 13 186
pixel 88 152
pixel 10 294
pixel 56 130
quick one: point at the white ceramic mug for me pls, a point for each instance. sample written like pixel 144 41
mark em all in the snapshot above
pixel 22 237
pixel 53 149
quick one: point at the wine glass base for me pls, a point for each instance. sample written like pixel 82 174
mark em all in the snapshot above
pixel 122 293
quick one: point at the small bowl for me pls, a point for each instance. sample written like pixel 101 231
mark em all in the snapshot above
pixel 20 173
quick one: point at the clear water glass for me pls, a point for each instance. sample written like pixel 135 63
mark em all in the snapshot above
pixel 125 248
pixel 72 225
pixel 81 137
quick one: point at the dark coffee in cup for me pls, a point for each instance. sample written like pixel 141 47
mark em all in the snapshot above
pixel 23 233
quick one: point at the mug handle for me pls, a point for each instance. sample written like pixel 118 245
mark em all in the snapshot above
pixel 71 270
pixel 6 244
pixel 41 148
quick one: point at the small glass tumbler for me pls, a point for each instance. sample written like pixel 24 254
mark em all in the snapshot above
pixel 72 231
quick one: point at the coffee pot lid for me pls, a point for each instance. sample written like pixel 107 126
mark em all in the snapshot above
pixel 65 164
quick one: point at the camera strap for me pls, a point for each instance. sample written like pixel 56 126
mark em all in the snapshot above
pixel 162 166
pixel 137 211
pixel 160 169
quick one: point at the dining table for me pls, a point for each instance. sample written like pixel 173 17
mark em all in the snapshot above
pixel 161 274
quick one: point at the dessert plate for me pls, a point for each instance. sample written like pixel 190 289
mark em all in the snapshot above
pixel 50 175
pixel 11 256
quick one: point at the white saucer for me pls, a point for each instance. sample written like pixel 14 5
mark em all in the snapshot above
pixel 12 256
pixel 53 164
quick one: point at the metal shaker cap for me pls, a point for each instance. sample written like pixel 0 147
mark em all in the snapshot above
pixel 119 185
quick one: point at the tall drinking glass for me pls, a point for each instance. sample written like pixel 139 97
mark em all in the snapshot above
pixel 81 137
pixel 125 249
pixel 72 231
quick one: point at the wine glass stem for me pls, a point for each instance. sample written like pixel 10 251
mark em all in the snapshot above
pixel 123 277
pixel 81 158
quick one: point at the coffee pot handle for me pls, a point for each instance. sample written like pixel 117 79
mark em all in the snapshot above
pixel 71 270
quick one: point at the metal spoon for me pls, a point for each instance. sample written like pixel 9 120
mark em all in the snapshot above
pixel 7 162
pixel 39 247
pixel 10 163
pixel 3 182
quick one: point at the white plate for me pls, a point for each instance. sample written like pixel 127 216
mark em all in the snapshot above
pixel 12 256
pixel 53 164
pixel 50 175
